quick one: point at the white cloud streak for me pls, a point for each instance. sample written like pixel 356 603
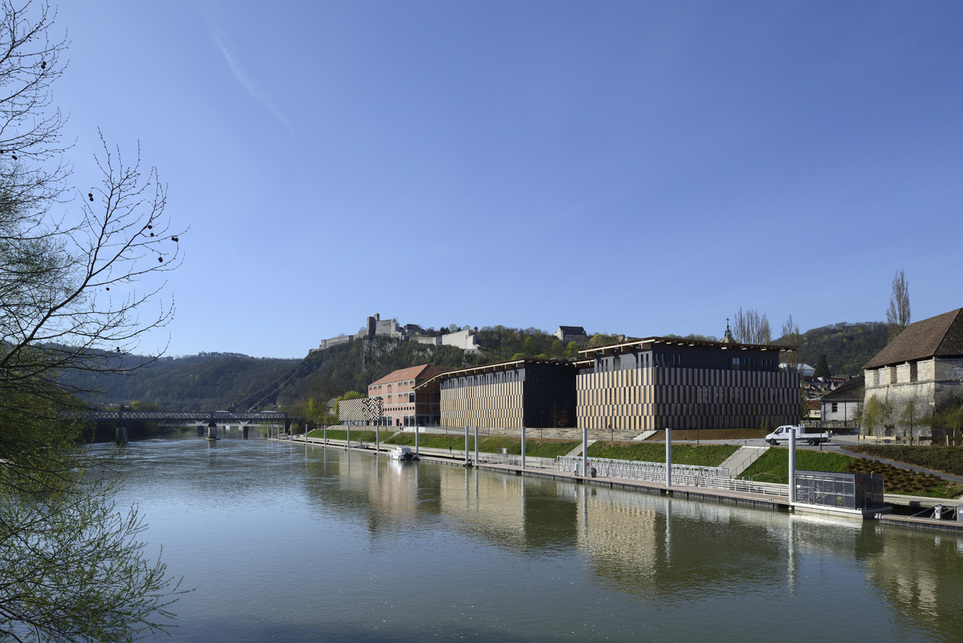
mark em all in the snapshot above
pixel 249 86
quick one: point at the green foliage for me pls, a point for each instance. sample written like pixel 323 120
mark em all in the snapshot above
pixel 847 346
pixel 774 465
pixel 537 448
pixel 501 344
pixel 709 434
pixel 326 374
pixel 205 381
pixel 938 458
pixel 364 435
pixel 876 414
pixel 708 455
pixel 433 440
pixel 601 339
pixel 71 565
pixel 822 367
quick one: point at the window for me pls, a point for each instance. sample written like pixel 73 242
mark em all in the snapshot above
pixel 835 407
pixel 913 372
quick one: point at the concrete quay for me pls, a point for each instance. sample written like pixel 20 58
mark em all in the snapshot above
pixel 759 500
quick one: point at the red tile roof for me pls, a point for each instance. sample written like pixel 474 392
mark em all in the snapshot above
pixel 416 373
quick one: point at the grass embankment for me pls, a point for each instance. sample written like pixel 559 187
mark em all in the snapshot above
pixel 774 467
pixel 938 458
pixel 337 434
pixel 711 434
pixel 533 447
pixel 706 455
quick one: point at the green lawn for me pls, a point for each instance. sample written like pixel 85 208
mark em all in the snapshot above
pixel 706 455
pixel 533 447
pixel 365 435
pixel 774 467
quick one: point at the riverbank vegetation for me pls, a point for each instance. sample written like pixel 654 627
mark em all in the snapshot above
pixel 774 467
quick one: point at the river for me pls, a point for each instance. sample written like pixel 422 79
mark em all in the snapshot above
pixel 282 542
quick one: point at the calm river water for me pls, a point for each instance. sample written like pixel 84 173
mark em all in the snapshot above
pixel 283 542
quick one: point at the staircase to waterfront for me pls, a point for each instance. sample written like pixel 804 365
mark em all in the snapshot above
pixel 577 451
pixel 742 459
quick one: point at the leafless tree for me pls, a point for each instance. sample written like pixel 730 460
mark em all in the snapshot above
pixel 751 327
pixel 80 274
pixel 898 314
pixel 791 337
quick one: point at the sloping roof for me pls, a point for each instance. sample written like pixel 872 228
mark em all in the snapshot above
pixel 940 336
pixel 422 372
pixel 572 330
pixel 851 390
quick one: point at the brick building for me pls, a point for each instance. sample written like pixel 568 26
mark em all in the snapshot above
pixel 401 404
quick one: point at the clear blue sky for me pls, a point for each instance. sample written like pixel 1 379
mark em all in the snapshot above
pixel 632 167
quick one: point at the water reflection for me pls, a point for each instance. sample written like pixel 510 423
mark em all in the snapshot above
pixel 437 550
pixel 663 550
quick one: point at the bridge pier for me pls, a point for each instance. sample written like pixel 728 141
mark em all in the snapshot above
pixel 212 431
pixel 121 434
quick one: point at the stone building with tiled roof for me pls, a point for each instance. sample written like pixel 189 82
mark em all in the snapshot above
pixel 923 366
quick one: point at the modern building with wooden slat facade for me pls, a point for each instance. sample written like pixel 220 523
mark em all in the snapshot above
pixel 660 382
pixel 530 393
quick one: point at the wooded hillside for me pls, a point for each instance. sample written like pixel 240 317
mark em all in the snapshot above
pixel 232 381
pixel 846 346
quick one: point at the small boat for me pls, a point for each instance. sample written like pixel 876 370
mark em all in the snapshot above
pixel 405 454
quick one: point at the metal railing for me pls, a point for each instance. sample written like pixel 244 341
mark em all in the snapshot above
pixel 636 470
pixel 682 475
pixel 513 460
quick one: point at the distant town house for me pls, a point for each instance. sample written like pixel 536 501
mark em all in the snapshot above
pixel 571 334
pixel 843 406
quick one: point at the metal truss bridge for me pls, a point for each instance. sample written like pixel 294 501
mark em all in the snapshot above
pixel 210 418
pixel 193 417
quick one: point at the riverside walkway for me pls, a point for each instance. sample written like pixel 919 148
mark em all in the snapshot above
pixel 758 497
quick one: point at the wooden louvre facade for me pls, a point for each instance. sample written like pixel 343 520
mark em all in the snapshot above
pixel 659 382
pixel 529 393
